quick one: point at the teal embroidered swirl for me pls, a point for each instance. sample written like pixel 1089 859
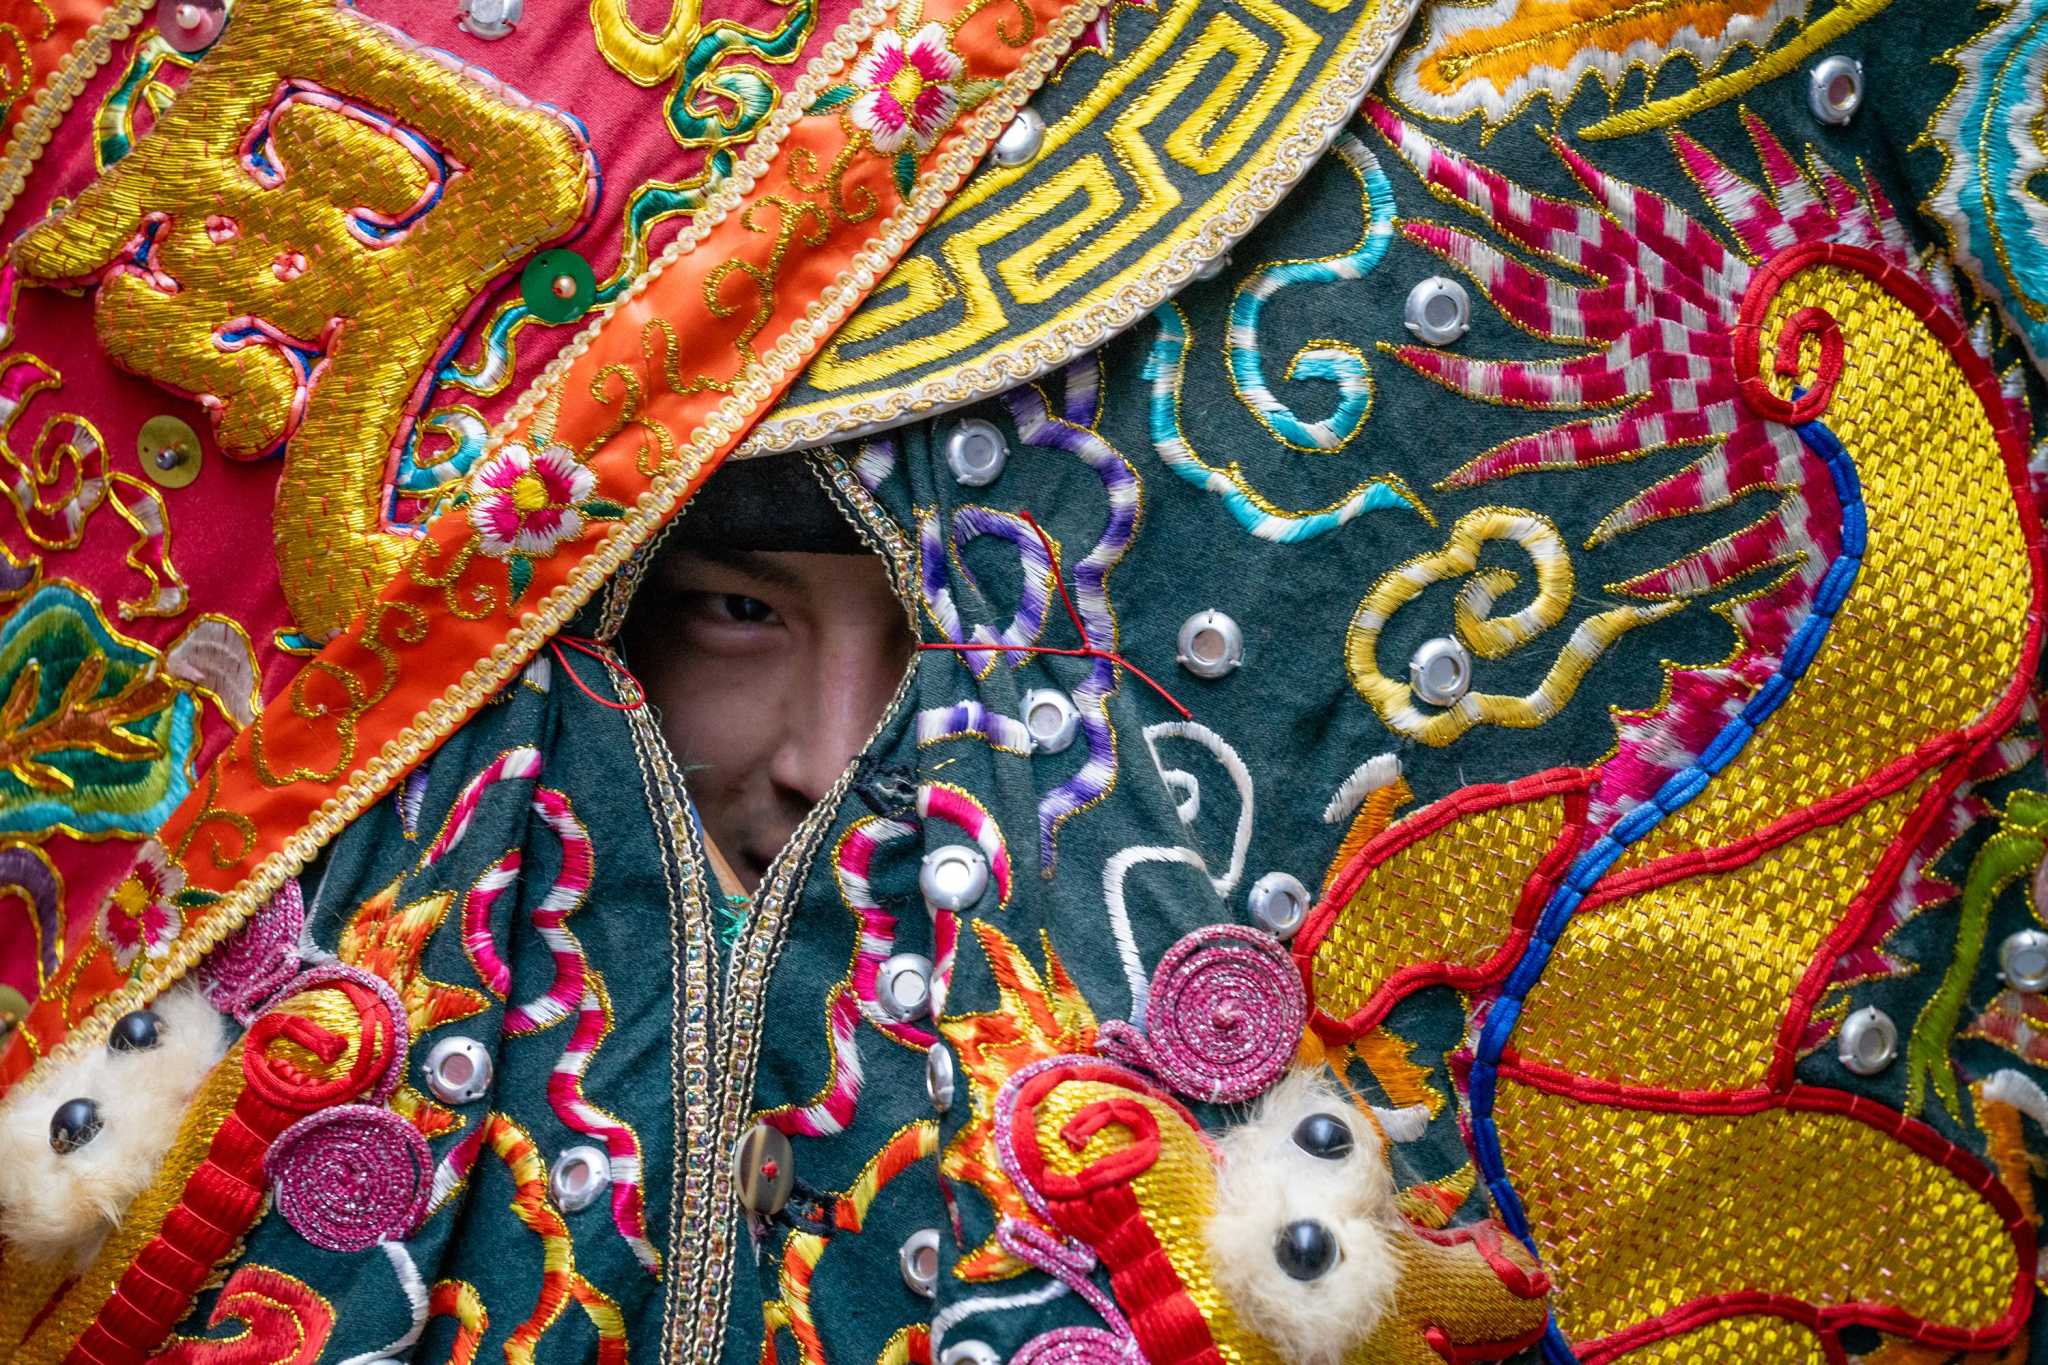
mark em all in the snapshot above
pixel 1331 361
pixel 1328 361
pixel 1990 132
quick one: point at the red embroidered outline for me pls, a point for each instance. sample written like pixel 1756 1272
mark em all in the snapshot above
pixel 1829 1320
pixel 1099 1207
pixel 1574 784
pixel 224 1193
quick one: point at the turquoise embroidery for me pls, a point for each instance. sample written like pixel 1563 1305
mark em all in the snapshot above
pixel 1989 132
pixel 94 739
pixel 1337 362
pixel 1330 361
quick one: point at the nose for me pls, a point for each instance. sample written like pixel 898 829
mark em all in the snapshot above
pixel 834 709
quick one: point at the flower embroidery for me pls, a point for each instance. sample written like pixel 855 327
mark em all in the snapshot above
pixel 906 89
pixel 524 502
pixel 140 915
pixel 904 93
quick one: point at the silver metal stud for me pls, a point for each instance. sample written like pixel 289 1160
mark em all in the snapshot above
pixel 953 876
pixel 459 1070
pixel 970 1352
pixel 1834 89
pixel 1021 141
pixel 764 1170
pixel 1279 902
pixel 1438 311
pixel 578 1177
pixel 1210 645
pixel 1868 1041
pixel 976 452
pixel 491 18
pixel 938 1077
pixel 904 990
pixel 1440 672
pixel 919 1259
pixel 2023 960
pixel 1051 719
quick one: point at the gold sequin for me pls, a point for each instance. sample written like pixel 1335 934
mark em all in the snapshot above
pixel 302 288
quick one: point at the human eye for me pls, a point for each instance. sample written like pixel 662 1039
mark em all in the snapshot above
pixel 714 621
pixel 741 609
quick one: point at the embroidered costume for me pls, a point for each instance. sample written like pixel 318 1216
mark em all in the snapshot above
pixel 1471 787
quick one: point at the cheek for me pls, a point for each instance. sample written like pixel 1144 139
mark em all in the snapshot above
pixel 724 713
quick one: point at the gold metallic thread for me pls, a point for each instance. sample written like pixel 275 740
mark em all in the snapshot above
pixel 228 252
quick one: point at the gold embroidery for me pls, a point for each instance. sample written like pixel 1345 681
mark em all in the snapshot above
pixel 140 91
pixel 1722 1188
pixel 32 132
pixel 1814 37
pixel 300 274
pixel 652 509
pixel 716 93
pixel 383 938
pixel 1036 1017
pixel 1067 229
pixel 1416 907
pixel 62 480
pixel 17 69
pixel 1487 636
pixel 1070 234
pixel 1493 58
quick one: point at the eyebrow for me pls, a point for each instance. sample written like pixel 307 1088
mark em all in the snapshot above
pixel 753 563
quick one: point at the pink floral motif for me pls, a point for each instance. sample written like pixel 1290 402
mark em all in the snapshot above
pixel 906 89
pixel 524 502
pixel 140 914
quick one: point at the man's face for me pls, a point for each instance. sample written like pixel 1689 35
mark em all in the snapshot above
pixel 770 669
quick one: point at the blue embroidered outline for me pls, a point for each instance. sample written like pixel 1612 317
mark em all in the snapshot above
pixel 1678 791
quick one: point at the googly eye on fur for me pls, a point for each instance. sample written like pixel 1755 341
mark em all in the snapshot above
pixel 1306 1249
pixel 1325 1136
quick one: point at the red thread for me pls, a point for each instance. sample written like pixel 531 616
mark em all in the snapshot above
pixel 595 651
pixel 225 1192
pixel 1825 1320
pixel 1571 784
pixel 1098 1205
pixel 1747 334
pixel 1088 650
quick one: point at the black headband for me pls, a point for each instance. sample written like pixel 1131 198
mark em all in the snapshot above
pixel 771 503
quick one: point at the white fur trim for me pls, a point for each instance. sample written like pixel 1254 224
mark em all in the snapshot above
pixel 1267 1182
pixel 56 1207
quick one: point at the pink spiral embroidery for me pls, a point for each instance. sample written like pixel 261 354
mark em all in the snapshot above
pixel 256 961
pixel 1224 1017
pixel 349 1177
